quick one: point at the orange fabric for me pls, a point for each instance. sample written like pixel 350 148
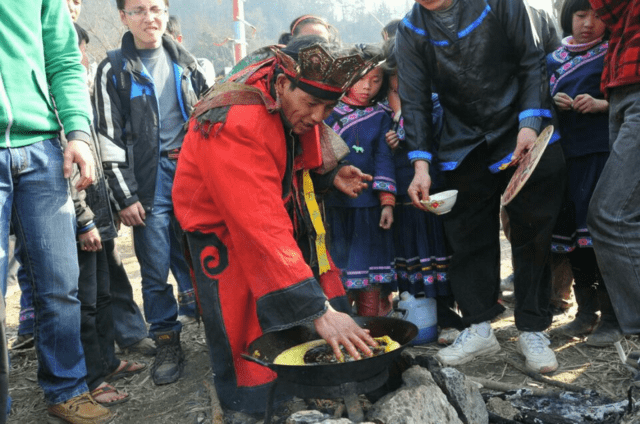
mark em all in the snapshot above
pixel 386 198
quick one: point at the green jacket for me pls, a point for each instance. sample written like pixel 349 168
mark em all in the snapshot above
pixel 39 62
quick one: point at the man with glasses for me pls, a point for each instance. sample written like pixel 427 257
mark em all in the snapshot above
pixel 144 93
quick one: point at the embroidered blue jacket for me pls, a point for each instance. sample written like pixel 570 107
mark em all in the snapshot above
pixel 576 73
pixel 489 73
pixel 363 129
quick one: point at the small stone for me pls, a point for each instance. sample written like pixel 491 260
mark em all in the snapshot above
pixel 307 417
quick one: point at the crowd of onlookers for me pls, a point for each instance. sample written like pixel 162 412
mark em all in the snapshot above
pixel 452 98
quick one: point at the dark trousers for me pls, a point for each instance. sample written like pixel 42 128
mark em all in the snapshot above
pixel 129 324
pixel 473 231
pixel 591 293
pixel 96 325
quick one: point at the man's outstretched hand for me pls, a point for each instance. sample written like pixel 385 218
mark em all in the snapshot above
pixel 351 180
pixel 340 329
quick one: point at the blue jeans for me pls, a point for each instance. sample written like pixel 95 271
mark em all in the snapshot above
pixel 614 211
pixel 158 250
pixel 35 196
pixel 17 272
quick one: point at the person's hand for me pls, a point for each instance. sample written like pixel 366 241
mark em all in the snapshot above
pixel 392 139
pixel 79 152
pixel 351 180
pixel 117 222
pixel 563 101
pixel 386 217
pixel 133 215
pixel 526 138
pixel 420 185
pixel 584 103
pixel 340 329
pixel 90 241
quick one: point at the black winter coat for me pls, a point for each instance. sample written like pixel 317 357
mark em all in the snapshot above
pixel 490 76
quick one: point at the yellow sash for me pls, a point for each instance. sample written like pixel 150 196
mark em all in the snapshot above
pixel 316 219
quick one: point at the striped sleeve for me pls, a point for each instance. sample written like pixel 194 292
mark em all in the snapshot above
pixel 112 138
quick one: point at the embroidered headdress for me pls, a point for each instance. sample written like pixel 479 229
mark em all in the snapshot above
pixel 317 72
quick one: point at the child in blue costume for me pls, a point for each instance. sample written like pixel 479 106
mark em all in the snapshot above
pixel 360 236
pixel 575 70
pixel 421 252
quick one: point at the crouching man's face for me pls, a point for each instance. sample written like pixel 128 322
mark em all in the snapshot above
pixel 301 110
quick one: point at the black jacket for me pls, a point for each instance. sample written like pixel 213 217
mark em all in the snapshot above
pixel 130 144
pixel 92 205
pixel 490 76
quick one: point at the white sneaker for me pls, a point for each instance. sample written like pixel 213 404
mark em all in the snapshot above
pixel 535 348
pixel 467 346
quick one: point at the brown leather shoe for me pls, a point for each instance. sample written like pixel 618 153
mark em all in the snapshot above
pixel 81 410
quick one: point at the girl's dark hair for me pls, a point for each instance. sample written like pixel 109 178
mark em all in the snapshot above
pixel 390 65
pixel 82 34
pixel 173 27
pixel 298 23
pixel 375 52
pixel 569 7
pixel 390 29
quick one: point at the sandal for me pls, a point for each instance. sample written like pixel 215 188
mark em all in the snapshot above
pixel 126 369
pixel 107 389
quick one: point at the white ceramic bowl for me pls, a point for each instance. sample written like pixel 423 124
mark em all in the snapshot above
pixel 441 203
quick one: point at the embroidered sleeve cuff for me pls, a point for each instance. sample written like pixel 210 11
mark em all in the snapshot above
pixel 384 184
pixel 387 199
pixel 79 135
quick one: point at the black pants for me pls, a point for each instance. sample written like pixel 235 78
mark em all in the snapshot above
pixel 591 293
pixel 473 231
pixel 96 325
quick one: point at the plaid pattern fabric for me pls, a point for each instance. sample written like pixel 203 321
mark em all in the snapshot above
pixel 622 64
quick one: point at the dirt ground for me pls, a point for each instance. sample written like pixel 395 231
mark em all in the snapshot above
pixel 189 400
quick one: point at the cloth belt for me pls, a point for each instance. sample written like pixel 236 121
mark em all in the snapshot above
pixel 316 219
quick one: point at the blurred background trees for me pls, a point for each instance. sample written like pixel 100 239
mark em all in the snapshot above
pixel 207 24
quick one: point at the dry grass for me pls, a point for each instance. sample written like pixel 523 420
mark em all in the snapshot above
pixel 189 400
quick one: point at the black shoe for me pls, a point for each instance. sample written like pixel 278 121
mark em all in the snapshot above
pixel 169 361
pixel 580 326
pixel 23 342
pixel 633 359
pixel 144 346
pixel 607 333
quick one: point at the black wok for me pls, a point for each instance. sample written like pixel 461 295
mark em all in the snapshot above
pixel 270 345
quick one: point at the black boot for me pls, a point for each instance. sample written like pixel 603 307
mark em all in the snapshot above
pixel 582 325
pixel 609 331
pixel 633 359
pixel 169 360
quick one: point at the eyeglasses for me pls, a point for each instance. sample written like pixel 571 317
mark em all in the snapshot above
pixel 154 13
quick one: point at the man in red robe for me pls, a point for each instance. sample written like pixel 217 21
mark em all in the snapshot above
pixel 244 194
